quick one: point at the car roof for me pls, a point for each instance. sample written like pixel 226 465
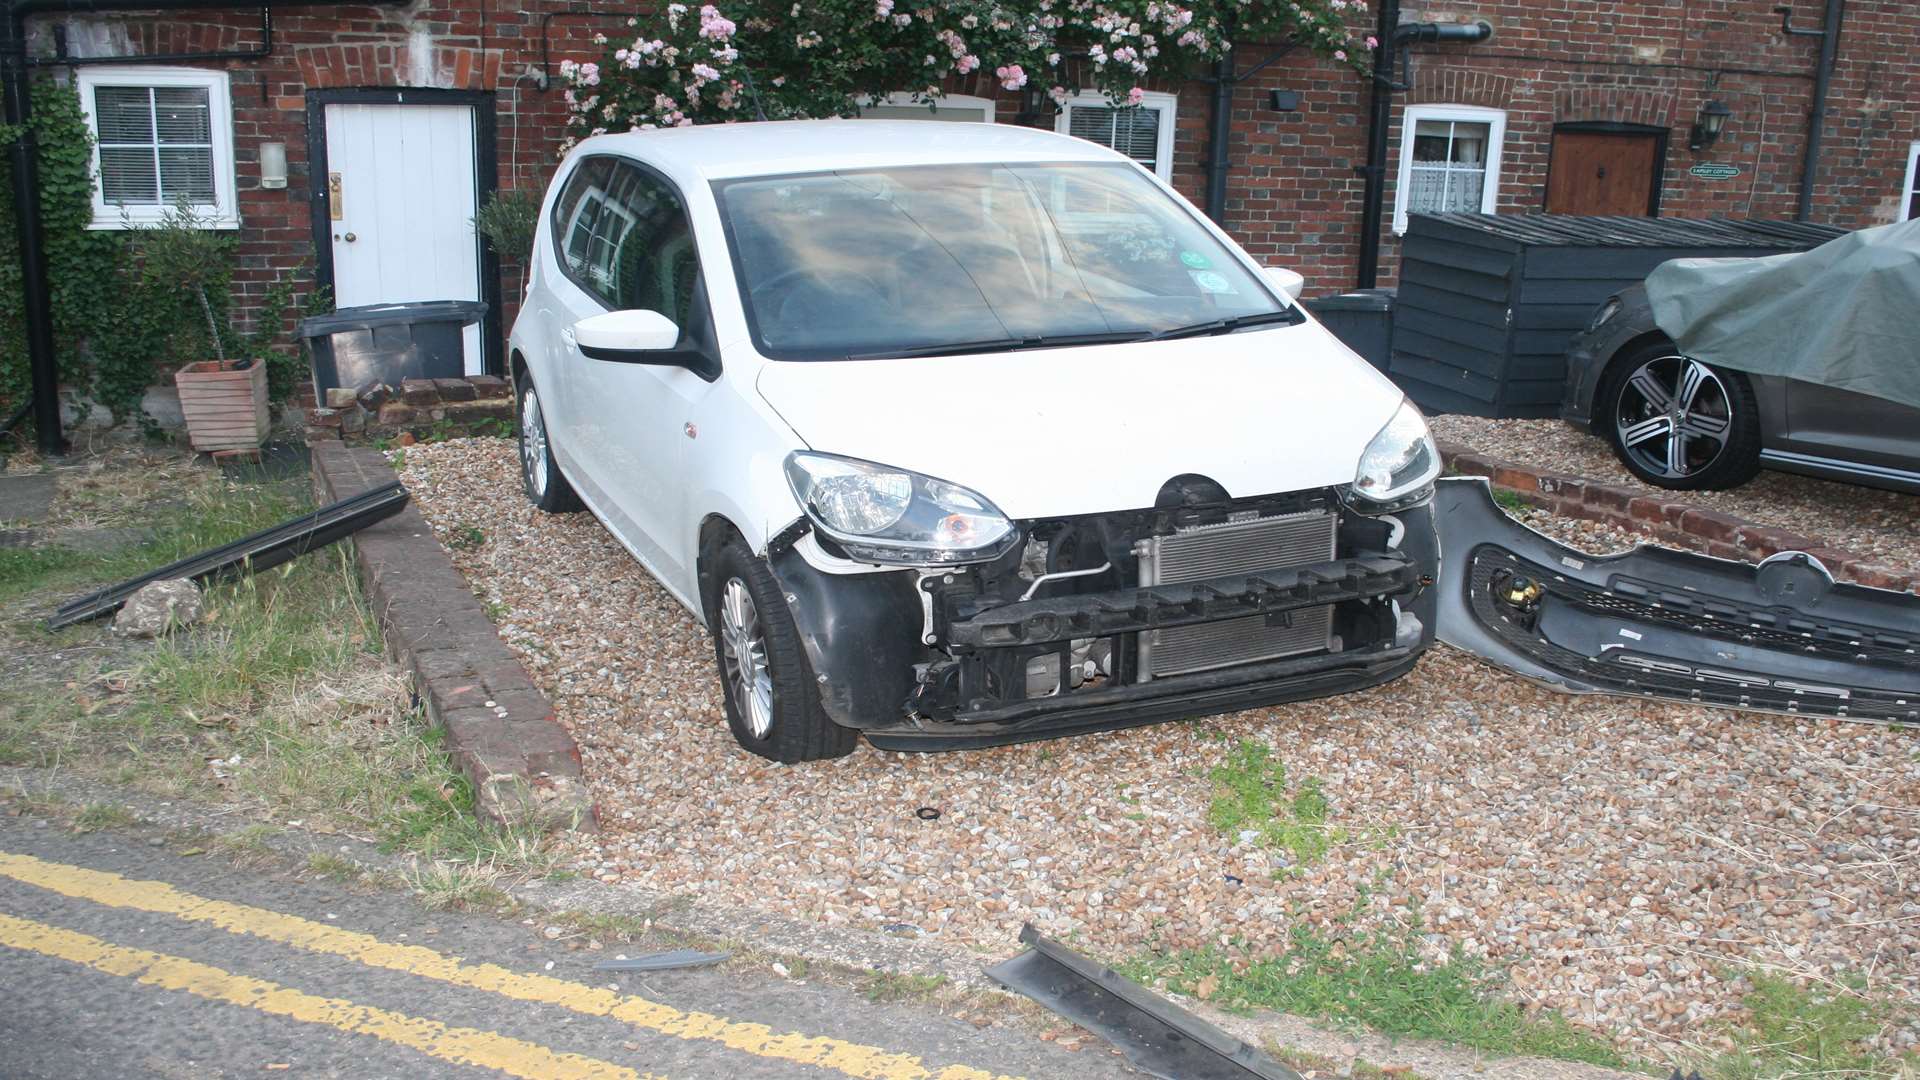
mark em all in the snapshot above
pixel 773 148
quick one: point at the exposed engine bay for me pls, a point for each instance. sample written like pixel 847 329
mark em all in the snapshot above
pixel 1116 618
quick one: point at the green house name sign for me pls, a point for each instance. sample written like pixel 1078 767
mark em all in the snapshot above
pixel 1715 170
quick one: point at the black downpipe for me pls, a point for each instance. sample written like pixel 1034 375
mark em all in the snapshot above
pixel 1379 117
pixel 1222 124
pixel 37 303
pixel 1817 117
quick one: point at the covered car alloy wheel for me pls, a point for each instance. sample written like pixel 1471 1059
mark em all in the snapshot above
pixel 1673 417
pixel 745 648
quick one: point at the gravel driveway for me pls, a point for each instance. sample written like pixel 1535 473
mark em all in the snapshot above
pixel 1882 524
pixel 1624 860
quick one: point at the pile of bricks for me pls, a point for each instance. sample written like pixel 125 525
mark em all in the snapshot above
pixel 1665 519
pixel 377 406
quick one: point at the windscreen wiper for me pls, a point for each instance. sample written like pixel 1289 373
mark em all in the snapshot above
pixel 1227 326
pixel 1007 344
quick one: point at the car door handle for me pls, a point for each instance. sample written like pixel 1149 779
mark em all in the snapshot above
pixel 566 335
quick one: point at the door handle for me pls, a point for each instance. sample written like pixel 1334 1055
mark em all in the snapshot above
pixel 351 238
pixel 566 335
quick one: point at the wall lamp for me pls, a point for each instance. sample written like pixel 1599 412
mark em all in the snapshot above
pixel 1708 125
pixel 273 165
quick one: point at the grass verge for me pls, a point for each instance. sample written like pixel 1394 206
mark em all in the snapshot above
pixel 282 698
pixel 1797 1031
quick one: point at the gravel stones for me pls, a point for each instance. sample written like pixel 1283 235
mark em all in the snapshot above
pixel 1624 861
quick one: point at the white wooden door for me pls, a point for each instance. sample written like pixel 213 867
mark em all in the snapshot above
pixel 402 193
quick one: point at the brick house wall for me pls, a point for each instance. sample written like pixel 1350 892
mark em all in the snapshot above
pixel 1294 192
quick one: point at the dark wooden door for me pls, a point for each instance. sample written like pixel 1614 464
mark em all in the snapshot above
pixel 1603 172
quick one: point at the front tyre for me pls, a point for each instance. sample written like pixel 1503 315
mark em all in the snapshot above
pixel 540 476
pixel 773 705
pixel 1678 423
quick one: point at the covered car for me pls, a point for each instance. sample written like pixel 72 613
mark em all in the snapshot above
pixel 1807 362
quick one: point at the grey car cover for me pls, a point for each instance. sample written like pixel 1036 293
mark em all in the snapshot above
pixel 1846 314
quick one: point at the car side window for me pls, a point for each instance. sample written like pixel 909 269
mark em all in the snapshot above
pixel 623 235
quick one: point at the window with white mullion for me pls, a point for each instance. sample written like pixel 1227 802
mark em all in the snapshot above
pixel 1449 161
pixel 1142 132
pixel 163 138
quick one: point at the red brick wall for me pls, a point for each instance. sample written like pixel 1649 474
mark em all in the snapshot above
pixel 1294 192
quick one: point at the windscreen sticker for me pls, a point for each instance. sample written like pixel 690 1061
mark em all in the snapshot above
pixel 1193 260
pixel 1210 282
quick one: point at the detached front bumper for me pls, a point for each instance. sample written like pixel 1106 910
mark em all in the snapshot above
pixel 925 661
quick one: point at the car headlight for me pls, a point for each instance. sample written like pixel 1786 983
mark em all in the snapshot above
pixel 1607 311
pixel 1400 462
pixel 885 515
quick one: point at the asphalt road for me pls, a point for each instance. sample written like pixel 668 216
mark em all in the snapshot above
pixel 123 959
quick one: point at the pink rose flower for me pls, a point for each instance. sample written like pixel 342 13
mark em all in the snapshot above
pixel 1136 95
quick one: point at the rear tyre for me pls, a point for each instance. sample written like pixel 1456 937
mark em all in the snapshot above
pixel 540 475
pixel 1678 423
pixel 773 703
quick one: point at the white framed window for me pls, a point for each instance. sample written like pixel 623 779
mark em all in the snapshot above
pixel 1910 194
pixel 1449 161
pixel 161 135
pixel 1143 132
pixel 899 105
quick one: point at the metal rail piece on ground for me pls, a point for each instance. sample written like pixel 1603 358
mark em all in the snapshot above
pixel 250 554
pixel 1155 1034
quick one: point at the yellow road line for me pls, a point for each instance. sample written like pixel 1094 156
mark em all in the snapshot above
pixel 113 890
pixel 463 1046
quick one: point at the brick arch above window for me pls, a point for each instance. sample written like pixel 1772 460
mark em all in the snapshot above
pixel 325 67
pixel 1462 86
pixel 1613 104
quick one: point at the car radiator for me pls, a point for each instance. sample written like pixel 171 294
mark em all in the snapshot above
pixel 1207 551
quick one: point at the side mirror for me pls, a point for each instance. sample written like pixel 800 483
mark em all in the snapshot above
pixel 1286 281
pixel 629 337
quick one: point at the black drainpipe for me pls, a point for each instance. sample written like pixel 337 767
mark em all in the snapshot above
pixel 1816 119
pixel 37 304
pixel 1222 123
pixel 1379 117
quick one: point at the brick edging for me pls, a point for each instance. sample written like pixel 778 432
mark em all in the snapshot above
pixel 1666 519
pixel 499 727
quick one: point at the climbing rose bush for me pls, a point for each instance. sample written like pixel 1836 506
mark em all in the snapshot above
pixel 812 58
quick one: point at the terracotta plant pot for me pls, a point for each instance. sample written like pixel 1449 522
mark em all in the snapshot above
pixel 226 409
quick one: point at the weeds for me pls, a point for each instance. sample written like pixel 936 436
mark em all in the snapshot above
pixel 451 886
pixel 1794 1031
pixel 334 868
pixel 1377 980
pixel 1511 501
pixel 1250 795
pixel 882 986
pixel 97 816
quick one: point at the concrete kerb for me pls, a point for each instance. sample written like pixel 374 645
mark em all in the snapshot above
pixel 500 729
pixel 1666 519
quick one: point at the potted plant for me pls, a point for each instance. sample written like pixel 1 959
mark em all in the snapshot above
pixel 224 399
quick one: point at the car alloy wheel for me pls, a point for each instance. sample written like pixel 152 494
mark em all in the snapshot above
pixel 1673 416
pixel 533 442
pixel 744 645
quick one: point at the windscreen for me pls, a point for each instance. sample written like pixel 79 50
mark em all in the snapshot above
pixel 976 257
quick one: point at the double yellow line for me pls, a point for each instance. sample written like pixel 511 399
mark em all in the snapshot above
pixel 514 1057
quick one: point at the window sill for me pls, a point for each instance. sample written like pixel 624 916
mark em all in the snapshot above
pixel 207 220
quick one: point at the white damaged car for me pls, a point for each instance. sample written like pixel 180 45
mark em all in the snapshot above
pixel 955 435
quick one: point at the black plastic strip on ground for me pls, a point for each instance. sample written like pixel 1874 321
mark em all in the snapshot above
pixel 250 554
pixel 1155 1034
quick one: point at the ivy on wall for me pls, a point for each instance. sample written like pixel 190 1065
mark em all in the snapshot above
pixel 126 305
